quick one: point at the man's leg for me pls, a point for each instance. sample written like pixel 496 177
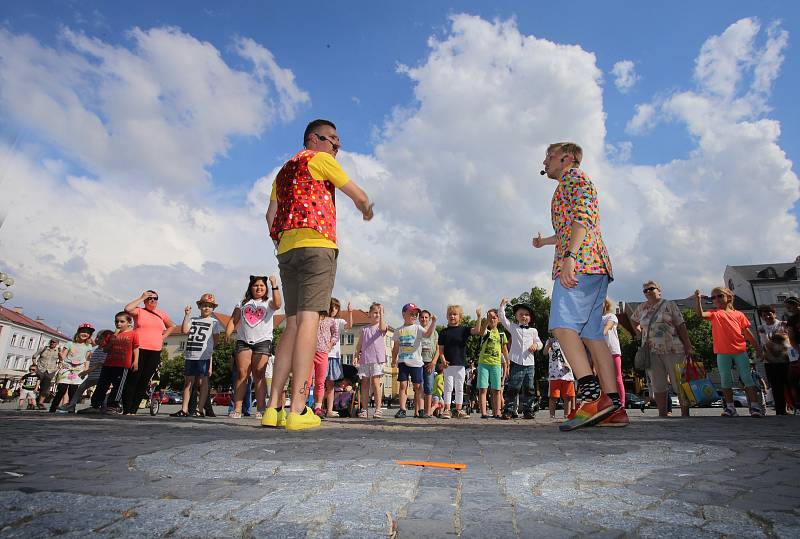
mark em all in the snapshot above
pixel 304 346
pixel 282 365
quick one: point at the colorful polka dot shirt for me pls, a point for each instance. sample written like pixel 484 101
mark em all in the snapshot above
pixel 575 200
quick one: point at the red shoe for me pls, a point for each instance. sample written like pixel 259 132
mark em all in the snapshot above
pixel 616 419
pixel 319 412
pixel 589 413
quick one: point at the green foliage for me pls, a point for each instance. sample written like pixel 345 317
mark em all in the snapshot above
pixel 700 336
pixel 221 361
pixel 171 371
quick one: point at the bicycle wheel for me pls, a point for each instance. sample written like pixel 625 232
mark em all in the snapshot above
pixel 155 405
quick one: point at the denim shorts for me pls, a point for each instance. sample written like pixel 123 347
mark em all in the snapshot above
pixel 196 368
pixel 404 372
pixel 427 380
pixel 581 308
pixel 263 348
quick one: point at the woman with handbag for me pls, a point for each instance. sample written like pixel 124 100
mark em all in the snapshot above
pixel 665 344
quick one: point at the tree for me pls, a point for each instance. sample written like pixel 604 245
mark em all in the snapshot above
pixel 700 336
pixel 171 371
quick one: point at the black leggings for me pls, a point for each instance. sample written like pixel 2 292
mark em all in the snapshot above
pixel 62 388
pixel 136 383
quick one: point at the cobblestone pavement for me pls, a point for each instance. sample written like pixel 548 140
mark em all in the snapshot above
pixel 89 476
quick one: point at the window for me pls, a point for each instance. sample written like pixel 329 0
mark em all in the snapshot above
pixel 349 359
pixel 341 338
pixel 7 363
pixel 14 340
pixel 782 297
pixel 350 338
pixel 30 344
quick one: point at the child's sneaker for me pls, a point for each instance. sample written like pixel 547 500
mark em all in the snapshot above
pixel 461 414
pixel 362 414
pixel 377 414
pixel 445 414
pixel 270 417
pixel 529 415
pixel 400 414
pixel 589 413
pixel 729 412
pixel 617 419
pixel 319 412
pixel 756 411
pixel 304 420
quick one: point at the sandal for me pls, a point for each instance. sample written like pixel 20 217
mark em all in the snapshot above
pixel 362 414
pixel 179 413
pixel 198 414
pixel 259 415
pixel 235 415
pixel 377 414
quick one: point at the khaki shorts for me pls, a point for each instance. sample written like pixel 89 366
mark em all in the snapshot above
pixel 662 368
pixel 307 276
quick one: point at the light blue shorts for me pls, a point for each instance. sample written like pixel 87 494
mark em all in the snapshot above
pixel 581 308
pixel 725 363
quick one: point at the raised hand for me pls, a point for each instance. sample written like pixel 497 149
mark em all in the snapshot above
pixel 273 281
pixel 538 241
pixel 187 310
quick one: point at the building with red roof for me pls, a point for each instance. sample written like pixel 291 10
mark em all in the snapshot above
pixel 20 338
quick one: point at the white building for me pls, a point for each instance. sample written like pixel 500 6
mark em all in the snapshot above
pixel 20 338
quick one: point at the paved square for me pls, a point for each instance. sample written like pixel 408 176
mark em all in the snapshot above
pixel 90 476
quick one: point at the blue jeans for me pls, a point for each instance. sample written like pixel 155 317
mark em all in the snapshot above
pixel 427 380
pixel 520 384
pixel 248 393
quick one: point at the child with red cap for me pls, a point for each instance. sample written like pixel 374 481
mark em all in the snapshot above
pixel 407 355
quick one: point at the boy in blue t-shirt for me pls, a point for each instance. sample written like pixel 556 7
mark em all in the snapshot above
pixel 407 356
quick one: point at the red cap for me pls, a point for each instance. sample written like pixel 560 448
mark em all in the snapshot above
pixel 86 326
pixel 410 307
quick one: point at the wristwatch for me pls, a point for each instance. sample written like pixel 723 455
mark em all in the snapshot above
pixel 570 254
pixel 275 288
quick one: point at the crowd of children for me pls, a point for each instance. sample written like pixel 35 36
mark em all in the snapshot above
pixel 434 363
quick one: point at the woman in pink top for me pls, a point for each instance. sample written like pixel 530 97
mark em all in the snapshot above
pixel 152 326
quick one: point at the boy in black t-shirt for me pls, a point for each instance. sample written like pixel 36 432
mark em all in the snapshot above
pixel 452 355
pixel 27 389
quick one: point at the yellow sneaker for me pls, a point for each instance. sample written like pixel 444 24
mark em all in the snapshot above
pixel 282 417
pixel 302 421
pixel 269 418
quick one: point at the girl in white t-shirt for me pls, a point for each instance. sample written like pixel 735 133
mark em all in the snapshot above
pixel 610 324
pixel 252 319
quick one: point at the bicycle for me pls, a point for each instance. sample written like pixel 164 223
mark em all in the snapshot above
pixel 154 393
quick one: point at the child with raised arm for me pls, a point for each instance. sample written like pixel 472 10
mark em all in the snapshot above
pixel 492 357
pixel 407 356
pixel 525 342
pixel 369 358
pixel 91 374
pixel 453 356
pixel 730 334
pixel 203 334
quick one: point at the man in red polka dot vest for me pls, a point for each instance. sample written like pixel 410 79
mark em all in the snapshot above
pixel 302 223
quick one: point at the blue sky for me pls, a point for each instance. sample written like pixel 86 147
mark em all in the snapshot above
pixel 345 58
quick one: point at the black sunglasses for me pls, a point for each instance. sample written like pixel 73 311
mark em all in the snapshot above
pixel 649 289
pixel 151 298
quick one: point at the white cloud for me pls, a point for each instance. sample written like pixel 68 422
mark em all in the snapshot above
pixel 625 76
pixel 157 113
pixel 643 120
pixel 456 185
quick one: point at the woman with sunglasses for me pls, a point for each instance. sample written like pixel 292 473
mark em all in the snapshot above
pixel 152 326
pixel 660 325
pixel 252 319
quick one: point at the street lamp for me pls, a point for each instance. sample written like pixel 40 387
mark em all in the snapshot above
pixel 5 283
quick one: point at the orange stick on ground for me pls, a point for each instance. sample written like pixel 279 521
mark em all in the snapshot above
pixel 450 465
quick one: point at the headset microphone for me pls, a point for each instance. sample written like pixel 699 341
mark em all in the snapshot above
pixel 542 173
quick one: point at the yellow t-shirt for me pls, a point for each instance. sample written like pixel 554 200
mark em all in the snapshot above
pixel 322 167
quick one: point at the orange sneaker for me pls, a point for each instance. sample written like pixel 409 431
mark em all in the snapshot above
pixel 619 418
pixel 589 413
